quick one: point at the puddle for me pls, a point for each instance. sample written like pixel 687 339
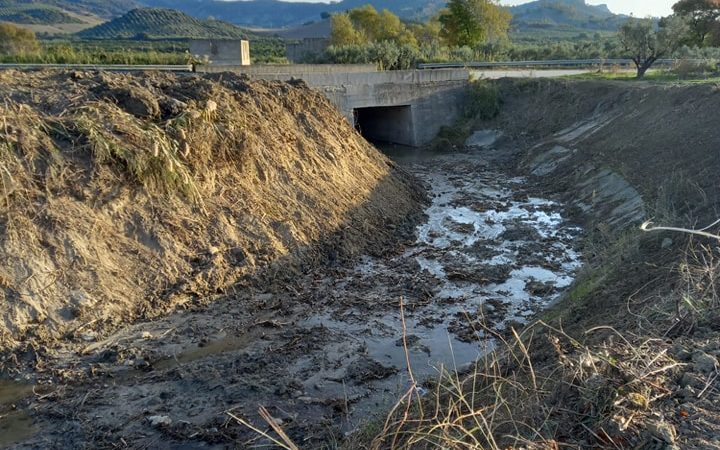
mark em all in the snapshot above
pixel 216 347
pixel 489 250
pixel 13 391
pixel 15 426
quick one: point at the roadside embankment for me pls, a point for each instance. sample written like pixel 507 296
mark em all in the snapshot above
pixel 126 196
pixel 620 154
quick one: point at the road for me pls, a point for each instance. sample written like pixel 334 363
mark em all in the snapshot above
pixel 527 73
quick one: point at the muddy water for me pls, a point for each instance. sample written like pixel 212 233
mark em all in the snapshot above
pixel 326 352
pixel 494 256
pixel 15 426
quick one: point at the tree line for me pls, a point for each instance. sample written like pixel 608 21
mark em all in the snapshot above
pixel 467 30
pixel 693 24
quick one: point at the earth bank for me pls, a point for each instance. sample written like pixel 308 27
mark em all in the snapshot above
pixel 628 358
pixel 126 196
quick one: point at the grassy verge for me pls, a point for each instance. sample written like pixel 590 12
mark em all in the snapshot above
pixel 658 76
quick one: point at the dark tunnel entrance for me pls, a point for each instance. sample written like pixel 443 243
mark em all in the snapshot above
pixel 386 124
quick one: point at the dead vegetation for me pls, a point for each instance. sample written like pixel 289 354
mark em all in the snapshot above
pixel 125 196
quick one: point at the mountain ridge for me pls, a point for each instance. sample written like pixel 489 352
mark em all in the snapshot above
pixel 275 14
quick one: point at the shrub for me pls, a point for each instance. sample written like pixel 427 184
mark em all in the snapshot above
pixel 17 41
pixel 484 100
pixel 687 69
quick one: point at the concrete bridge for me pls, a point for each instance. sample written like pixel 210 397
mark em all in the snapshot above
pixel 399 107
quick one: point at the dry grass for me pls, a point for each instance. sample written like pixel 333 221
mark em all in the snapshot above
pixel 578 397
pixel 521 396
pixel 145 151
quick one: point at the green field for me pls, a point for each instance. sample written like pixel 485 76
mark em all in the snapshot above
pixel 76 51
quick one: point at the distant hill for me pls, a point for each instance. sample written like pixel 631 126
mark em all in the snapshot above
pixel 541 15
pixel 276 14
pixel 36 15
pixel 576 14
pixel 161 23
pixel 100 8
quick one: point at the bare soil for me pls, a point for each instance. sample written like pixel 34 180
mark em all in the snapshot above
pixel 323 352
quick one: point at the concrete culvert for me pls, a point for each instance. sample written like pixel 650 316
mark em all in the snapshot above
pixel 387 124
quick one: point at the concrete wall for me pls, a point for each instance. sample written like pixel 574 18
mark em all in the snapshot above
pixel 286 71
pixel 306 50
pixel 336 75
pixel 435 98
pixel 221 51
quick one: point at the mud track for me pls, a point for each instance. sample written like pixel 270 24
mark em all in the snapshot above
pixel 324 354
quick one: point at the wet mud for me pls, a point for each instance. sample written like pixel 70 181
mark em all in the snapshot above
pixel 326 353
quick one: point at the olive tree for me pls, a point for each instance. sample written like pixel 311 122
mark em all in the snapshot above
pixel 703 17
pixel 645 42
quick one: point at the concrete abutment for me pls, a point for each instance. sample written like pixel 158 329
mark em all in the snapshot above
pixel 407 107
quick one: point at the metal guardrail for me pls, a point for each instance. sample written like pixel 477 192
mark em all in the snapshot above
pixel 107 67
pixel 466 65
pixel 551 63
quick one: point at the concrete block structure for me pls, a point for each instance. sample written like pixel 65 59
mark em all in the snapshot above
pixel 407 107
pixel 307 50
pixel 222 52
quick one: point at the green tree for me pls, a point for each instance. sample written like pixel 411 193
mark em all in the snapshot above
pixel 366 25
pixel 17 41
pixel 426 33
pixel 389 27
pixel 343 32
pixel 703 17
pixel 645 43
pixel 367 21
pixel 474 22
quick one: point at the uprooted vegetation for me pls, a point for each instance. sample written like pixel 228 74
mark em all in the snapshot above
pixel 126 196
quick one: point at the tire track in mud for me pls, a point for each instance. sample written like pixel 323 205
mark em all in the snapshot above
pixel 325 353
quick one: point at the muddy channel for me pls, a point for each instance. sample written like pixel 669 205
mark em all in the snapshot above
pixel 325 354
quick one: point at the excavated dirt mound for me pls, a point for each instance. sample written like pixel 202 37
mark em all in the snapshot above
pixel 126 196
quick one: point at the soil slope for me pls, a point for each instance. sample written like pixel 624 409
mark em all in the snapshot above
pixel 634 343
pixel 660 138
pixel 126 196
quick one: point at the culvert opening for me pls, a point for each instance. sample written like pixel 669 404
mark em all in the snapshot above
pixel 386 124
